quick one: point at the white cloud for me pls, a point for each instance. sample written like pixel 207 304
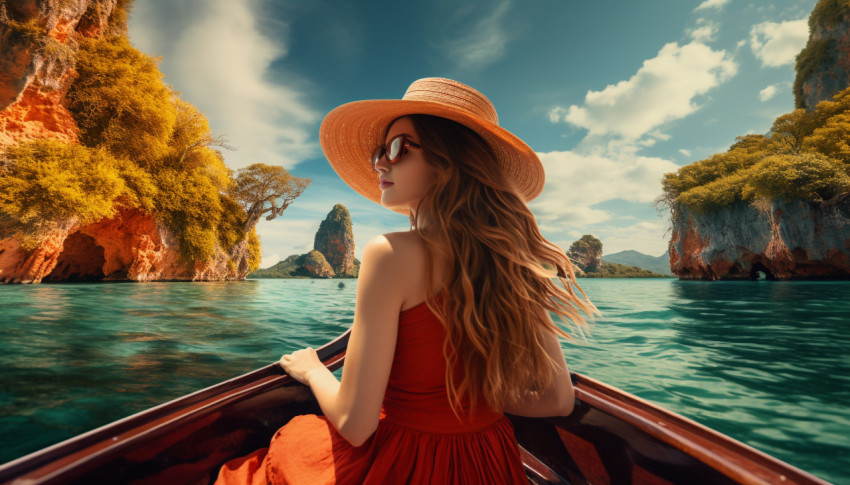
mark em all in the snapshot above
pixel 711 4
pixel 777 44
pixel 482 39
pixel 215 55
pixel 659 135
pixel 768 92
pixel 269 260
pixel 283 237
pixel 577 181
pixel 647 237
pixel 606 170
pixel 556 113
pixel 663 89
pixel 704 33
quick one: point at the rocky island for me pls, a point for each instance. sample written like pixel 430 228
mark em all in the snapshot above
pixel 776 205
pixel 332 255
pixel 586 256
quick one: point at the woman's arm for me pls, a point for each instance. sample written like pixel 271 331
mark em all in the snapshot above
pixel 558 400
pixel 354 404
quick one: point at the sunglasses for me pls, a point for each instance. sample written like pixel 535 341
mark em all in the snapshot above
pixel 394 149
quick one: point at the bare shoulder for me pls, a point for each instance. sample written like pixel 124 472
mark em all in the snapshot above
pixel 399 246
pixel 398 259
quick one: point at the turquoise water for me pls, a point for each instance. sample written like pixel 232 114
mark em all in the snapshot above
pixel 764 362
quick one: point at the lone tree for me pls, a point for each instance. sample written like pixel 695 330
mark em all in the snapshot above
pixel 586 253
pixel 262 189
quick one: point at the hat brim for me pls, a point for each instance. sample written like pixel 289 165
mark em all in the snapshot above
pixel 349 134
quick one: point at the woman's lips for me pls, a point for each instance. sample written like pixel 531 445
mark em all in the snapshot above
pixel 385 184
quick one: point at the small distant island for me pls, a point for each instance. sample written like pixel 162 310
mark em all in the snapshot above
pixel 586 255
pixel 332 255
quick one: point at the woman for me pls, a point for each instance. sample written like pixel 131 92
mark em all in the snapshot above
pixel 451 324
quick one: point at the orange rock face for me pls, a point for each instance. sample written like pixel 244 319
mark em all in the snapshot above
pixel 793 240
pixel 38 114
pixel 18 266
pixel 128 247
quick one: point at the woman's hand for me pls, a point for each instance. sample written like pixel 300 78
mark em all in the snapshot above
pixel 299 364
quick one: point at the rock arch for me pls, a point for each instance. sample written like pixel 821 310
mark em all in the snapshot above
pixel 756 268
pixel 81 259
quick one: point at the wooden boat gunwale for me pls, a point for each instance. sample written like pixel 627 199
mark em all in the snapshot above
pixel 691 437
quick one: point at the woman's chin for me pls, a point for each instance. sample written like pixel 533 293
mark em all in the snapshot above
pixel 391 204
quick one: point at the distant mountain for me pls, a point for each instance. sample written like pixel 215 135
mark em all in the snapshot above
pixel 656 264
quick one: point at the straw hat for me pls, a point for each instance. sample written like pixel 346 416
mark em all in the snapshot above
pixel 351 132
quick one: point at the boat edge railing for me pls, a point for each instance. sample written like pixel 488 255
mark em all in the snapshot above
pixel 690 436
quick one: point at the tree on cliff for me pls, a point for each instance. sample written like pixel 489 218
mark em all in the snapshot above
pixel 805 157
pixel 586 253
pixel 262 189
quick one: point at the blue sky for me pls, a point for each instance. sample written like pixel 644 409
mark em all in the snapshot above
pixel 611 95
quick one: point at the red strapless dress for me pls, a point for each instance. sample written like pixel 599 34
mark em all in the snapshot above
pixel 418 440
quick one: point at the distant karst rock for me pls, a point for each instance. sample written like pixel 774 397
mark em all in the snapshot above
pixel 317 266
pixel 823 66
pixel 586 253
pixel 332 256
pixel 335 240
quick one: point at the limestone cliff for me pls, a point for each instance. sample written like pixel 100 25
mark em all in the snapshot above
pixel 783 240
pixel 131 246
pixel 823 67
pixel 335 239
pixel 36 64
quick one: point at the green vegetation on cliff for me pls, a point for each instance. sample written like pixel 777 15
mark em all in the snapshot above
pixel 54 181
pixel 805 157
pixel 828 13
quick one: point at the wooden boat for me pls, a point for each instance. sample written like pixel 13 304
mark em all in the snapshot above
pixel 610 438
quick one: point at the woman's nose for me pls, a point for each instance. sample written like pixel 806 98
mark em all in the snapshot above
pixel 382 165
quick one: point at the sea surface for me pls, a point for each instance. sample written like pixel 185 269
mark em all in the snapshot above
pixel 767 363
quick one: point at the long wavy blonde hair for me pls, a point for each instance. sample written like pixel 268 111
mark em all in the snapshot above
pixel 500 272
